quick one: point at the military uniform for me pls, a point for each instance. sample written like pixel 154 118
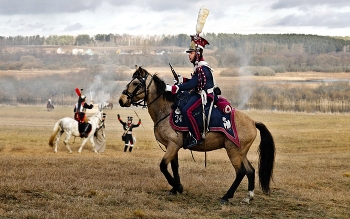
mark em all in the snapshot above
pixel 201 81
pixel 80 114
pixel 127 136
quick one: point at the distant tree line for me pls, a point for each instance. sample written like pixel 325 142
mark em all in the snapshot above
pixel 240 43
pixel 268 63
pixel 258 54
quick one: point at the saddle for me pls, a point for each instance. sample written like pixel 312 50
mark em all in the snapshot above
pixel 83 126
pixel 219 120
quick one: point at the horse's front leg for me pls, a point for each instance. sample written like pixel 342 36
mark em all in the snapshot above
pixel 93 144
pixel 175 168
pixel 82 145
pixel 171 156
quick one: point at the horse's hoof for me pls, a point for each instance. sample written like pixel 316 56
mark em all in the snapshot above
pixel 180 189
pixel 172 192
pixel 223 201
pixel 245 200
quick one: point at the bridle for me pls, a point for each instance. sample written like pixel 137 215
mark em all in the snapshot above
pixel 140 88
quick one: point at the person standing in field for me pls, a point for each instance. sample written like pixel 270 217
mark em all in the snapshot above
pixel 127 136
pixel 100 136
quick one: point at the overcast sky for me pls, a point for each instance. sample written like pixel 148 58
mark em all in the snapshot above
pixel 157 17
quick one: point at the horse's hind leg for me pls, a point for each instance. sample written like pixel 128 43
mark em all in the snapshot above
pixel 251 180
pixel 66 142
pixel 59 134
pixel 237 162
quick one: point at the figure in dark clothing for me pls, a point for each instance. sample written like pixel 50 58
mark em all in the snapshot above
pixel 80 114
pixel 127 136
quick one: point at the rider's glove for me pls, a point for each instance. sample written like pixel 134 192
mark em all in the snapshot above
pixel 173 89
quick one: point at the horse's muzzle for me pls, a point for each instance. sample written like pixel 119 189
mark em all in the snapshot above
pixel 123 103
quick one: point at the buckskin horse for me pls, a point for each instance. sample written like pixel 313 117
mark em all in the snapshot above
pixel 149 90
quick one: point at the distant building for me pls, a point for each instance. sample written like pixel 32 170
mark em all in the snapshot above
pixel 60 51
pixel 78 52
pixel 89 52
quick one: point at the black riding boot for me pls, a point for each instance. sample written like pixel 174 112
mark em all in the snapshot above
pixel 84 134
pixel 125 148
pixel 193 142
pixel 130 149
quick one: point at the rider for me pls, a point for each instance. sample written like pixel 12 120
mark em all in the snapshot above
pixel 201 81
pixel 49 101
pixel 79 113
pixel 128 126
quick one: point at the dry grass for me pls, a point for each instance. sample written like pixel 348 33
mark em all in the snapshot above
pixel 309 177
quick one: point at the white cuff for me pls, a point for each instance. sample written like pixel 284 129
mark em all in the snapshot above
pixel 168 88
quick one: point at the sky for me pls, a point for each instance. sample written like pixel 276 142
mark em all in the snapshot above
pixel 158 17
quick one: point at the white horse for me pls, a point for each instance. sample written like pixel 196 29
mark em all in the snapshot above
pixel 70 127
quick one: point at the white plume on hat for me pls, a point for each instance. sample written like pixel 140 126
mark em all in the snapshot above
pixel 202 16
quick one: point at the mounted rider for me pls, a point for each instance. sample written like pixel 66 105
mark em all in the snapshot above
pixel 80 113
pixel 201 86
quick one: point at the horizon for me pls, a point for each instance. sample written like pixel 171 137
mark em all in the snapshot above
pixel 35 17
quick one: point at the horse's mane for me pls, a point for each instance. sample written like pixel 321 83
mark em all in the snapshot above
pixel 160 89
pixel 159 83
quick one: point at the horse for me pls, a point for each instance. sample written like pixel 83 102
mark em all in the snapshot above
pixel 49 106
pixel 70 127
pixel 108 105
pixel 149 90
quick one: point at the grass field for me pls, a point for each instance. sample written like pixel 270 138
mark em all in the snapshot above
pixel 310 176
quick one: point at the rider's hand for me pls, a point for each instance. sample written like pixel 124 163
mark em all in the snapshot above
pixel 118 116
pixel 181 79
pixel 92 102
pixel 139 120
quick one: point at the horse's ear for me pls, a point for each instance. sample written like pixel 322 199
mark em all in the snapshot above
pixel 142 71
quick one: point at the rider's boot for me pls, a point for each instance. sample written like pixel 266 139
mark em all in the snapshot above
pixel 125 148
pixel 193 142
pixel 84 134
pixel 130 148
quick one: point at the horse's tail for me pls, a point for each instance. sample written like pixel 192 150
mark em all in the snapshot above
pixel 55 130
pixel 267 157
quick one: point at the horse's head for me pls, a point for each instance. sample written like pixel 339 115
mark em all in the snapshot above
pixel 99 114
pixel 136 89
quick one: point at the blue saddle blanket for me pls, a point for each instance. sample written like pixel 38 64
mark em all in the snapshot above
pixel 219 121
